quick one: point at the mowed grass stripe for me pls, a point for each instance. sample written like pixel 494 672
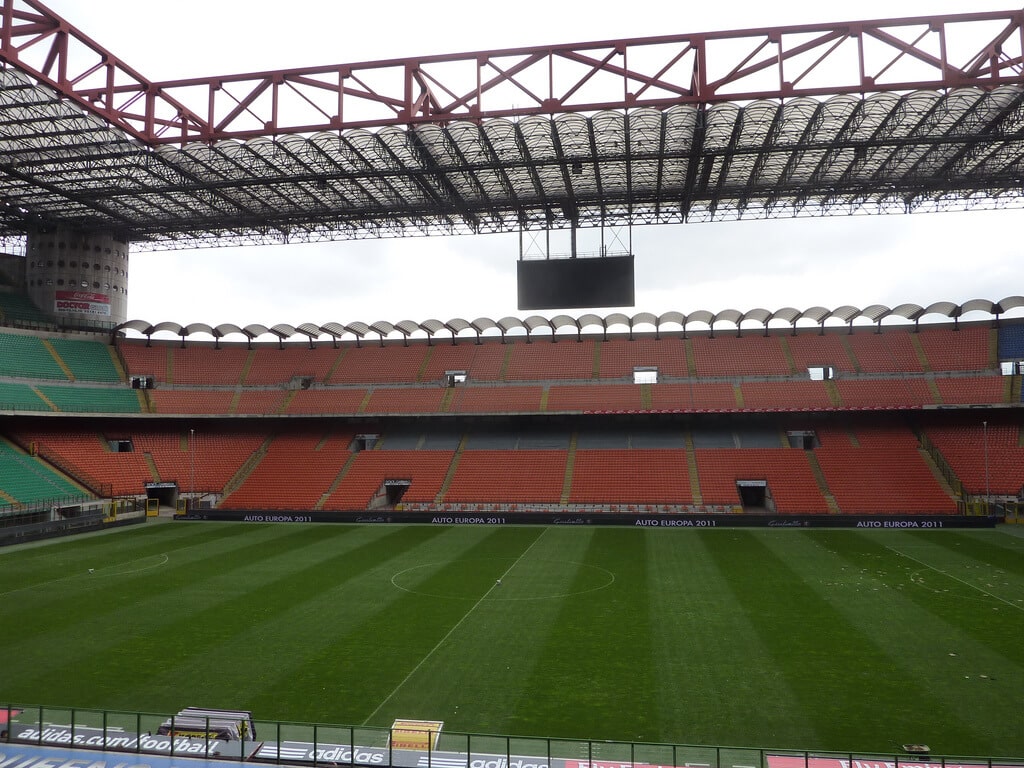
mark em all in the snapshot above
pixel 255 648
pixel 1004 552
pixel 993 566
pixel 816 639
pixel 101 613
pixel 37 568
pixel 480 678
pixel 156 622
pixel 715 680
pixel 840 675
pixel 986 618
pixel 433 674
pixel 590 673
pixel 870 587
pixel 131 588
pixel 356 664
pixel 957 674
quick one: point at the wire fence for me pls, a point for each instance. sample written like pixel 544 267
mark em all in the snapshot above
pixel 408 744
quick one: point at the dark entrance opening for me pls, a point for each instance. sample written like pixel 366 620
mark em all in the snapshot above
pixel 166 494
pixel 804 439
pixel 394 490
pixel 753 494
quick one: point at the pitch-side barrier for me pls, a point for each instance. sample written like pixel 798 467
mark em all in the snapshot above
pixel 45 737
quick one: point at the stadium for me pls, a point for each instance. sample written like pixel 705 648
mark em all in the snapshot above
pixel 589 538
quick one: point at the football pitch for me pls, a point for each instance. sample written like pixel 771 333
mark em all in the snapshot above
pixel 842 640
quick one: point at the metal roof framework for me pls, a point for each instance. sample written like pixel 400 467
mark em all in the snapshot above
pixel 566 326
pixel 883 116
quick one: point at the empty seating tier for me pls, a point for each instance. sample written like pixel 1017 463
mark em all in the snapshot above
pixel 786 472
pixel 424 471
pixel 545 359
pixel 87 360
pixel 625 477
pixel 880 470
pixel 745 356
pixel 391 363
pixel 28 357
pixel 891 351
pixel 820 350
pixel 966 349
pixel 620 357
pixel 297 470
pixel 25 479
pixel 986 457
pixel 513 477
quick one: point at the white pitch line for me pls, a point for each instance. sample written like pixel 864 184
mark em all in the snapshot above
pixel 451 631
pixel 103 573
pixel 954 578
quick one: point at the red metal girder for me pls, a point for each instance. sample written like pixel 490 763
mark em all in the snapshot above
pixel 72 62
pixel 815 60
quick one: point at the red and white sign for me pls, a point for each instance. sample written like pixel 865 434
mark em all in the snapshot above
pixel 82 303
pixel 799 761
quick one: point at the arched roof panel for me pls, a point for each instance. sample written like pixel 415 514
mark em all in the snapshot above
pixel 564 321
pixel 944 308
pixel 589 320
pixel 876 312
pixel 817 314
pixel 533 322
pixel 139 326
pixel 432 326
pixel 167 325
pixel 333 329
pixel 846 313
pixel 358 328
pixel 482 324
pixel 909 311
pixel 224 329
pixel 508 323
pixel 283 330
pixel 645 318
pixel 978 305
pixel 455 326
pixel 728 316
pixel 255 330
pixel 191 328
pixel 408 327
pixel 757 315
pixel 788 314
pixel 618 318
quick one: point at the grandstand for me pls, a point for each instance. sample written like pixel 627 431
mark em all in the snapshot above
pixel 890 416
pixel 839 421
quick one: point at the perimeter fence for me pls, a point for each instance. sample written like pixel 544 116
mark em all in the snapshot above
pixel 408 744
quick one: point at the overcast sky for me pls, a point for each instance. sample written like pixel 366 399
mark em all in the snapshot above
pixel 860 260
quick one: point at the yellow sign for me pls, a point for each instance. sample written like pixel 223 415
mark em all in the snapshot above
pixel 415 734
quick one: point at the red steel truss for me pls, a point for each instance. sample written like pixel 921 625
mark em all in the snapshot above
pixel 983 50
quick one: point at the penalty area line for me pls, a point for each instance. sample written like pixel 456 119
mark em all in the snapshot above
pixel 451 631
pixel 948 575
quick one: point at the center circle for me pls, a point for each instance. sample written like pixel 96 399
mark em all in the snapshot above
pixel 502 579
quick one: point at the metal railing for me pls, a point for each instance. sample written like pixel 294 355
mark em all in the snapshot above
pixel 46 505
pixel 410 743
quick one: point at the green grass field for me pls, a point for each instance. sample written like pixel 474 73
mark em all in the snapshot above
pixel 809 639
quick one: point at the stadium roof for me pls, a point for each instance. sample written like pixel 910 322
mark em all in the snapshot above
pixel 728 319
pixel 883 116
